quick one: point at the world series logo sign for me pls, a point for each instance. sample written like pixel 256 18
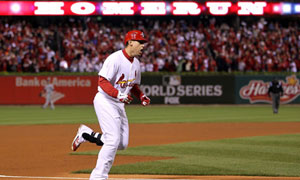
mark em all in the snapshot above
pixel 257 91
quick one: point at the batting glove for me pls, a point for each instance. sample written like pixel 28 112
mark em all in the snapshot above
pixel 124 98
pixel 145 100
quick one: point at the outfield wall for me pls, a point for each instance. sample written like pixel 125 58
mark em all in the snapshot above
pixel 68 89
pixel 176 89
pixel 254 89
pixel 162 89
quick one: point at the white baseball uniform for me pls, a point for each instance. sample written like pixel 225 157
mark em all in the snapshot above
pixel 49 88
pixel 122 74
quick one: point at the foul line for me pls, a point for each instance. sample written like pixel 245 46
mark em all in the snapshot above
pixel 37 177
pixel 70 178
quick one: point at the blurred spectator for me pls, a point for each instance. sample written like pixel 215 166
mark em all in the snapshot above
pixel 63 65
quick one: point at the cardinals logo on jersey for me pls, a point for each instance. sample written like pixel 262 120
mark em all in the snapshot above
pixel 121 81
pixel 124 83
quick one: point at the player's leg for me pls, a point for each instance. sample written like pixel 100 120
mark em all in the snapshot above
pixel 110 122
pixel 273 102
pixel 84 134
pixel 47 101
pixel 51 103
pixel 124 132
pixel 277 102
pixel 93 137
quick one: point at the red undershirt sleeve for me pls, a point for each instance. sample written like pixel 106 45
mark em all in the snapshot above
pixel 136 91
pixel 107 87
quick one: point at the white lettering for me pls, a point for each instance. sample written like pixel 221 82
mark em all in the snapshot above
pixel 153 8
pixel 43 82
pixel 172 100
pixel 180 90
pixel 256 89
pixel 203 90
pixel 197 90
pixel 48 8
pixel 35 82
pixel 218 90
pixel 189 90
pixel 83 8
pixel 161 91
pixel 20 82
pixel 255 8
pixel 185 8
pixel 209 90
pixel 290 90
pixel 117 8
pixel 183 90
pixel 155 90
pixel 171 90
pixel 218 8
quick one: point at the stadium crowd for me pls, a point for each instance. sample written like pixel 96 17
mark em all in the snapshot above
pixel 82 44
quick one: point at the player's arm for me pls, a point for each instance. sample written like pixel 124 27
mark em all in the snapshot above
pixel 112 91
pixel 136 91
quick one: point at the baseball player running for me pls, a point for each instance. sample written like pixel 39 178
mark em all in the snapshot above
pixel 119 76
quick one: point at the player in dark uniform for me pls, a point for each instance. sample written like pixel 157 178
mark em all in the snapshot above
pixel 275 91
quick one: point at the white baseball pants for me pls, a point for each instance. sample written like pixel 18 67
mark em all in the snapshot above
pixel 48 100
pixel 114 125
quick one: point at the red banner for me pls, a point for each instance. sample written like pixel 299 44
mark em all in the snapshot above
pixel 67 89
pixel 147 8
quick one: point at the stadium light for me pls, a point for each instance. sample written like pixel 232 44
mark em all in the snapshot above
pixel 15 7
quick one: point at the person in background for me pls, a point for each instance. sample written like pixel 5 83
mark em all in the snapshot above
pixel 48 90
pixel 275 91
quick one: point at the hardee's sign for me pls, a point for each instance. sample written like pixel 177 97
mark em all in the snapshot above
pixel 257 90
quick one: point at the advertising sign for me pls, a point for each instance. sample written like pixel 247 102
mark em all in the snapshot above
pixel 256 89
pixel 162 89
pixel 67 89
pixel 176 89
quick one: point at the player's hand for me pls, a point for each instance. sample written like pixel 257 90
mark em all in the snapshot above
pixel 124 98
pixel 145 100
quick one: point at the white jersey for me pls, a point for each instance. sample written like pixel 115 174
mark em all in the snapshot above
pixel 49 88
pixel 120 72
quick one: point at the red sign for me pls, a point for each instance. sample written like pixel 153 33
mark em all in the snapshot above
pixel 67 89
pixel 146 8
pixel 257 91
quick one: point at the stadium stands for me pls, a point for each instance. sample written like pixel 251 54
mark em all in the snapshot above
pixel 81 44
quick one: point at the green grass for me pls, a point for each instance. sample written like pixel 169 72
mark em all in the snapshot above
pixel 29 115
pixel 267 156
pixel 255 156
pixel 15 115
pixel 211 113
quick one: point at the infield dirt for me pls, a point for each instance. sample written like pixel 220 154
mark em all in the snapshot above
pixel 44 150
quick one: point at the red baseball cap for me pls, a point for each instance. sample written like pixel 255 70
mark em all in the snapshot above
pixel 135 35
